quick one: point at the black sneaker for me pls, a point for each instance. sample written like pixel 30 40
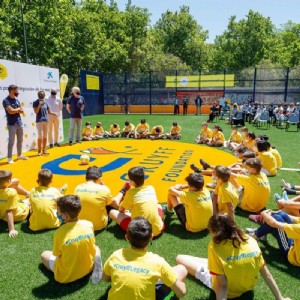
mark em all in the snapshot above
pixel 195 169
pixel 204 164
pixel 78 141
pixel 57 145
pixel 167 211
pixel 70 143
pixel 51 145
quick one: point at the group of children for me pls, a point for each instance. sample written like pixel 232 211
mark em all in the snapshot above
pixel 130 131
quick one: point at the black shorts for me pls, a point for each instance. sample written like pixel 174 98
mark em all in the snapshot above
pixel 180 212
pixel 163 292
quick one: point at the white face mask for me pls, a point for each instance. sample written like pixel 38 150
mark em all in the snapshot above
pixel 88 126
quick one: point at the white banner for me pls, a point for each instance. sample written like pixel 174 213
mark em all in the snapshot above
pixel 30 79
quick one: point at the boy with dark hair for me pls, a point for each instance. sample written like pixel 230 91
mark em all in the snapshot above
pixel 134 272
pixel 225 197
pixel 128 130
pixel 74 252
pixel 11 209
pixel 87 132
pixel 42 201
pixel 114 131
pixel 175 132
pixel 192 204
pixel 157 133
pixel 141 200
pixel 269 164
pixel 141 130
pixel 94 197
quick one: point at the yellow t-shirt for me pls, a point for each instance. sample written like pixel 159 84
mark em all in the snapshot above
pixel 94 198
pixel 293 232
pixel 206 133
pixel 240 265
pixel 87 131
pixel 235 137
pixel 134 273
pixel 129 128
pixel 277 156
pixel 10 200
pixel 218 136
pixel 226 194
pixel 244 137
pixel 197 204
pixel 161 129
pixel 140 128
pixel 113 130
pixel 142 202
pixel 250 144
pixel 74 246
pixel 269 162
pixel 256 191
pixel 99 130
pixel 43 208
pixel 175 129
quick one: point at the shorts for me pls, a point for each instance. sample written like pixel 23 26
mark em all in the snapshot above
pixel 126 221
pixel 52 260
pixel 163 292
pixel 180 213
pixel 203 274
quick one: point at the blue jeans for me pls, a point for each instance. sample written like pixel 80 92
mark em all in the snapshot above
pixel 283 241
pixel 78 122
pixel 13 131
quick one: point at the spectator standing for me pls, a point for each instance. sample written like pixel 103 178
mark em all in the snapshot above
pixel 198 104
pixel 185 105
pixel 176 106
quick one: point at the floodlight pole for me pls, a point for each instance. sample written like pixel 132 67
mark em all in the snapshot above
pixel 24 32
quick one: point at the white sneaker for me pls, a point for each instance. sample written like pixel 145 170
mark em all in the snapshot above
pixel 22 157
pixel 285 184
pixel 251 232
pixel 10 161
pixel 97 271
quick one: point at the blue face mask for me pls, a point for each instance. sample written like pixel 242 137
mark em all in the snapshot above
pixel 60 218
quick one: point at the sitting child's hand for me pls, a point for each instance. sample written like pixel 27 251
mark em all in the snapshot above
pixel 13 233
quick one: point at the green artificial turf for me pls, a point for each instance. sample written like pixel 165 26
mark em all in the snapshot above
pixel 23 277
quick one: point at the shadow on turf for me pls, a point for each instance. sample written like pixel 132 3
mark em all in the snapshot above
pixel 54 290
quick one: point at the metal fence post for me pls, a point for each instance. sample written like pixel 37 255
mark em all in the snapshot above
pixel 150 90
pixel 224 84
pixel 286 84
pixel 254 84
pixel 126 100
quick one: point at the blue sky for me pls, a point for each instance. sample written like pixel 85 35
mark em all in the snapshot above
pixel 213 15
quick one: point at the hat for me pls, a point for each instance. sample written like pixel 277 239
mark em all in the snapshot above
pixel 99 123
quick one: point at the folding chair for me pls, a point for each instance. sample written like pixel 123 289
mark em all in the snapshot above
pixel 293 120
pixel 264 119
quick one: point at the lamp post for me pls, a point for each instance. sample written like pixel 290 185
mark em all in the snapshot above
pixel 24 31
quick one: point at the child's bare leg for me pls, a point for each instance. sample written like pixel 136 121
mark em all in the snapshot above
pixel 172 201
pixel 117 216
pixel 45 257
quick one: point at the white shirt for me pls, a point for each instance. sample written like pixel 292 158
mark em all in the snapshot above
pixel 55 104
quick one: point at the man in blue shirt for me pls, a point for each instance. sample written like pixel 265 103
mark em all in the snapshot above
pixel 13 110
pixel 75 107
pixel 198 104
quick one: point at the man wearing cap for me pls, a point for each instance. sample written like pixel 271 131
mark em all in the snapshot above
pixel 55 104
pixel 75 107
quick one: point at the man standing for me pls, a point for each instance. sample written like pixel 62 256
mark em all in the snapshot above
pixel 75 107
pixel 55 105
pixel 13 110
pixel 198 104
pixel 185 105
pixel 176 106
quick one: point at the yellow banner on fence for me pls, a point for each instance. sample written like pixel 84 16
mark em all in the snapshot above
pixel 92 82
pixel 200 81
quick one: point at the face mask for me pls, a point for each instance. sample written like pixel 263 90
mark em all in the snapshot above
pixel 53 93
pixel 98 126
pixel 16 94
pixel 88 126
pixel 77 93
pixel 60 218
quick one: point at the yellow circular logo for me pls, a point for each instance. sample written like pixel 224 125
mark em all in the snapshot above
pixel 165 163
pixel 3 72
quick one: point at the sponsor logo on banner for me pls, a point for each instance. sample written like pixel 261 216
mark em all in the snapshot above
pixel 3 72
pixel 50 77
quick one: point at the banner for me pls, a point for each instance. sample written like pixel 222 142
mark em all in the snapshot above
pixel 200 81
pixel 30 79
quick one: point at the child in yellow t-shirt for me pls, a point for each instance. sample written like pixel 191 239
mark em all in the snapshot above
pixel 114 131
pixel 43 203
pixel 235 138
pixel 141 200
pixel 11 208
pixel 156 133
pixel 128 130
pixel 99 132
pixel 134 272
pixel 250 142
pixel 74 252
pixel 205 134
pixel 232 257
pixel 191 204
pixel 225 197
pixel 94 197
pixel 269 164
pixel 217 139
pixel 87 132
pixel 141 130
pixel 175 132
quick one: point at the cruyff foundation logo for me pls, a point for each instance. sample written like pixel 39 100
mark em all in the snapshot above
pixel 3 72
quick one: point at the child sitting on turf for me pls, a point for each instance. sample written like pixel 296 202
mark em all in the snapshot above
pixel 205 134
pixel 99 131
pixel 233 263
pixel 74 252
pixel 87 132
pixel 11 209
pixel 269 166
pixel 128 130
pixel 141 130
pixel 43 203
pixel 175 132
pixel 250 142
pixel 141 200
pixel 156 133
pixel 225 197
pixel 114 131
pixel 191 204
pixel 217 139
pixel 235 138
pixel 134 272
pixel 94 197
